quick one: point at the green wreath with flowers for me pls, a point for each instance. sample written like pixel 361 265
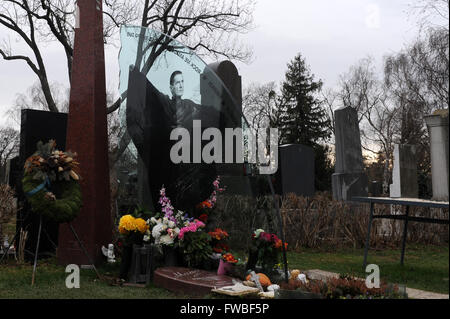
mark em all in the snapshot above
pixel 51 183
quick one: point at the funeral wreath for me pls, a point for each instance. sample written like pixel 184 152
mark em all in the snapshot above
pixel 51 183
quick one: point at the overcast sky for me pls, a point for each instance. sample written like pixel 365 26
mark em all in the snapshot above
pixel 331 35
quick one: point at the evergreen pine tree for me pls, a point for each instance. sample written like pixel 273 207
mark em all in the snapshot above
pixel 303 120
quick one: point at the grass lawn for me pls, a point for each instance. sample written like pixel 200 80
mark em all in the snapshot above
pixel 425 268
pixel 15 282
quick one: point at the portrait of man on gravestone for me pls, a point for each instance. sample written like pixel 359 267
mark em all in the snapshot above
pixel 151 115
pixel 180 112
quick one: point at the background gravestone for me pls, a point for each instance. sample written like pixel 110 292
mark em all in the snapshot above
pixel 349 179
pixel 438 128
pixel 36 126
pixel 404 173
pixel 295 172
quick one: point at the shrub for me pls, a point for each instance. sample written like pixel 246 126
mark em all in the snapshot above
pixel 321 222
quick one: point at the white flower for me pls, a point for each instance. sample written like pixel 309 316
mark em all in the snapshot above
pixel 146 238
pixel 156 231
pixel 258 232
pixel 171 224
pixel 166 240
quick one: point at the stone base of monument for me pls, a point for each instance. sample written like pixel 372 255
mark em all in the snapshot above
pixel 189 281
pixel 348 185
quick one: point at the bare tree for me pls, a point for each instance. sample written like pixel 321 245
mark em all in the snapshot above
pixel 329 99
pixel 34 98
pixel 359 87
pixel 258 105
pixel 432 14
pixel 9 147
pixel 208 27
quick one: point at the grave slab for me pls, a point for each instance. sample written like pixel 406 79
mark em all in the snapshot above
pixel 189 281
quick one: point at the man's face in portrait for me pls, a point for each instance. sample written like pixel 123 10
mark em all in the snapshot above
pixel 177 86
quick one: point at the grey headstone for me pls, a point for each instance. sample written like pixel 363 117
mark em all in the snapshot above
pixel 349 179
pixel 404 172
pixel 438 129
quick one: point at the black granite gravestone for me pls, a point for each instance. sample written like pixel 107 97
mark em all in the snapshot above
pixel 295 170
pixel 150 119
pixel 37 126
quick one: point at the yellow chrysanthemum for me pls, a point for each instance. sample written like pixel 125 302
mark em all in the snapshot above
pixel 141 225
pixel 127 224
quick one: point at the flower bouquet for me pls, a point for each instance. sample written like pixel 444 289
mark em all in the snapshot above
pixel 165 229
pixel 195 243
pixel 218 240
pixel 51 184
pixel 132 230
pixel 264 250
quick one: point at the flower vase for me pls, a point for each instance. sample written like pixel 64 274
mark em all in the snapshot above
pixel 127 252
pixel 224 267
pixel 170 256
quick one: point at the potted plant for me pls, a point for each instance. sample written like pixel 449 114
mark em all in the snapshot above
pixel 227 262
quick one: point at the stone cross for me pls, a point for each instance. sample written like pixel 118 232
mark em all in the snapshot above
pixel 255 278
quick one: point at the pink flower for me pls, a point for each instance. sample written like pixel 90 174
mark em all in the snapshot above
pixel 167 207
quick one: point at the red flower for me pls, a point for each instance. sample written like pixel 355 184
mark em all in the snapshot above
pixel 218 234
pixel 279 244
pixel 205 204
pixel 265 236
pixel 229 258
pixel 203 218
